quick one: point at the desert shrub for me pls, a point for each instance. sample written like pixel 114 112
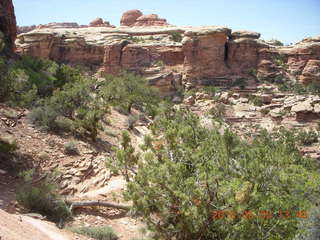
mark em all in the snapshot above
pixel 211 90
pixel 132 119
pixel 5 79
pixel 136 39
pixel 240 82
pixel 74 108
pixel 71 148
pixel 298 88
pixel 176 36
pixel 187 174
pixel 265 111
pixel 45 117
pixel 190 92
pixel 8 144
pixel 2 42
pixel 99 233
pixel 257 101
pixel 218 111
pixel 42 198
pixel 280 61
pixel 126 157
pixel 307 137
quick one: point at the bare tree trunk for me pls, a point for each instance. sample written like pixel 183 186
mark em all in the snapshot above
pixel 74 205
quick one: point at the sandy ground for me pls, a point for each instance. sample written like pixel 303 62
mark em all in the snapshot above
pixel 18 227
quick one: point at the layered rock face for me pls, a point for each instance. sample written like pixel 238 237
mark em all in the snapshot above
pixel 61 47
pixel 25 29
pixel 210 55
pixel 204 51
pixel 8 23
pixel 134 18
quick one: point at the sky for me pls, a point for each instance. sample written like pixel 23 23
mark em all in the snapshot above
pixel 286 20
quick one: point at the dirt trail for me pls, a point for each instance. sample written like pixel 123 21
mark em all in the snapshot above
pixel 17 227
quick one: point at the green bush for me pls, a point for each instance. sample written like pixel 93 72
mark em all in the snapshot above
pixel 187 174
pixel 218 111
pixel 71 148
pixel 74 108
pixel 211 90
pixel 265 111
pixel 240 82
pixel 176 36
pixel 99 233
pixel 2 43
pixel 28 79
pixel 42 199
pixel 126 158
pixel 8 144
pixel 307 137
pixel 257 101
pixel 132 119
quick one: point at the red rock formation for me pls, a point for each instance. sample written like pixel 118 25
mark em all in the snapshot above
pixel 129 17
pixel 135 18
pixel 204 53
pixel 8 23
pixel 112 58
pixel 299 62
pixel 60 49
pixel 243 55
pixel 98 22
pixel 150 20
pixel 311 72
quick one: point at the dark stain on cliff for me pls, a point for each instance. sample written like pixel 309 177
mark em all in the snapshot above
pixel 8 25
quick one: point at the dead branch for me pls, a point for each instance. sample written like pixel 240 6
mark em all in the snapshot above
pixel 74 205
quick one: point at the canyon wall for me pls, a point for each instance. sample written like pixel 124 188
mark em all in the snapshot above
pixel 8 24
pixel 175 57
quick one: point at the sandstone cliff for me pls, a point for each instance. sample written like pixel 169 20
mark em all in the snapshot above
pixel 8 23
pixel 175 57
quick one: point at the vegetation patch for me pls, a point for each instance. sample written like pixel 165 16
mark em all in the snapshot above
pixel 98 233
pixel 194 183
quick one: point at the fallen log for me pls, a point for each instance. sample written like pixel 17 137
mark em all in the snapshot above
pixel 74 205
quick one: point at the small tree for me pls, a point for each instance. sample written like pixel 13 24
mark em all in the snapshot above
pixel 125 156
pixel 129 90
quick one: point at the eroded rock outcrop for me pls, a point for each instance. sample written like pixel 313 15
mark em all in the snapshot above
pixel 98 22
pixel 150 20
pixel 210 55
pixel 135 17
pixel 205 55
pixel 8 23
pixel 129 17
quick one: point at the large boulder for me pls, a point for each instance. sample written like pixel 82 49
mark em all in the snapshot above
pixel 129 17
pixel 8 24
